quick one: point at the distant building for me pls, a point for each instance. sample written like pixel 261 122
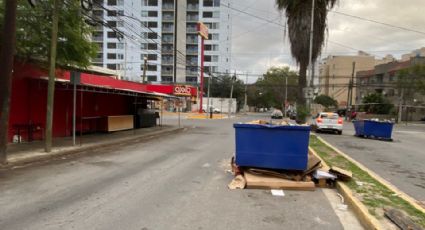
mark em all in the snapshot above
pixel 335 74
pixel 382 79
pixel 416 53
pixel 164 32
pixel 388 58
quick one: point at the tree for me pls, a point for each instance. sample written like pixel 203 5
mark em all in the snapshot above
pixel 6 70
pixel 34 27
pixel 298 17
pixel 411 81
pixel 376 103
pixel 326 101
pixel 271 88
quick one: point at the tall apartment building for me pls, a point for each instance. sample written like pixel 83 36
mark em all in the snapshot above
pixel 164 32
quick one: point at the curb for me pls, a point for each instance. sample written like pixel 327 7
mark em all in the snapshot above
pixel 52 155
pixel 366 219
pixel 375 176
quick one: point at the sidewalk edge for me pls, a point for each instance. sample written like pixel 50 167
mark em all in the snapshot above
pixel 366 219
pixel 38 158
pixel 392 187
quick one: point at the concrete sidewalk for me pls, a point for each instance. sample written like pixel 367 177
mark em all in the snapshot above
pixel 23 153
pixel 196 115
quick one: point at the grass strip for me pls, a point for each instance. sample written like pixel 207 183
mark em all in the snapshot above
pixel 374 195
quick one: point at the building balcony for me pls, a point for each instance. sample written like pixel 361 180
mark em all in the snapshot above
pixel 192 63
pixel 192 41
pixel 97 60
pixel 192 19
pixel 167 41
pixel 192 52
pixel 167 51
pixel 191 30
pixel 97 39
pixel 167 62
pixel 168 7
pixel 167 72
pixel 168 29
pixel 168 19
pixel 192 7
pixel 191 73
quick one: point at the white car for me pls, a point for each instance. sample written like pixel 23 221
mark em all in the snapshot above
pixel 215 110
pixel 327 122
pixel 277 114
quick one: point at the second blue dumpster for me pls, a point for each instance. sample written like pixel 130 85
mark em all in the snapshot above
pixel 272 146
pixel 373 129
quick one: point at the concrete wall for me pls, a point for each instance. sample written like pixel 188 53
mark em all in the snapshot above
pixel 221 103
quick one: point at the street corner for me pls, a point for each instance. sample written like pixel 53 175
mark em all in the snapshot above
pixel 205 116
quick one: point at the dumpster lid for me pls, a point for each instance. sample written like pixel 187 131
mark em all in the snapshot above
pixel 268 126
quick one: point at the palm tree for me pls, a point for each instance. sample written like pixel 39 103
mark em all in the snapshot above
pixel 298 17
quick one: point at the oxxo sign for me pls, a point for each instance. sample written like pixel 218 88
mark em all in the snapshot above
pixel 182 90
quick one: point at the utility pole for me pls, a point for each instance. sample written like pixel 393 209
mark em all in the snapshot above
pixel 352 85
pixel 125 58
pixel 310 54
pixel 75 79
pixel 6 69
pixel 246 94
pixel 350 92
pixel 145 65
pixel 231 95
pixel 208 110
pixel 400 106
pixel 286 94
pixel 52 72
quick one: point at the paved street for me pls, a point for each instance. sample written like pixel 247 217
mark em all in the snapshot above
pixel 400 162
pixel 173 182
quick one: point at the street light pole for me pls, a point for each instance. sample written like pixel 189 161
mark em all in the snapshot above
pixel 231 95
pixel 145 64
pixel 246 94
pixel 286 93
pixel 208 101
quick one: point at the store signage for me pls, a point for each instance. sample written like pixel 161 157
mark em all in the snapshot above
pixel 203 30
pixel 182 90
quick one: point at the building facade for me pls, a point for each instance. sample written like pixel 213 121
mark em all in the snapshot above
pixel 415 53
pixel 382 79
pixel 164 33
pixel 335 73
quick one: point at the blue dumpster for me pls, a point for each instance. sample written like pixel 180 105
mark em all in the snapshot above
pixel 373 129
pixel 272 146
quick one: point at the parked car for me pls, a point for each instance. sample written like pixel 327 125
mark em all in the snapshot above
pixel 292 114
pixel 327 122
pixel 341 112
pixel 277 114
pixel 215 110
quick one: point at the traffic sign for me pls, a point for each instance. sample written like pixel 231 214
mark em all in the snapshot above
pixel 308 92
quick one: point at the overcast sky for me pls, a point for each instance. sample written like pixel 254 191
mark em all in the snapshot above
pixel 257 44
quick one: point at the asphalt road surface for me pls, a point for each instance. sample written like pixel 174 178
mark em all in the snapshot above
pixel 177 181
pixel 400 162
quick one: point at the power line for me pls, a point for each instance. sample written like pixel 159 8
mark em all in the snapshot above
pixel 378 22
